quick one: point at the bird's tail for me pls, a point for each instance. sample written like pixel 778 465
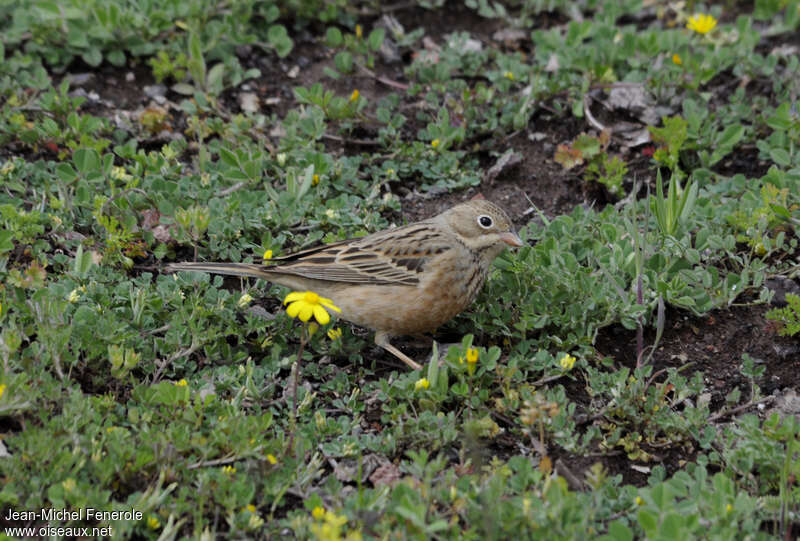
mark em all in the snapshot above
pixel 233 269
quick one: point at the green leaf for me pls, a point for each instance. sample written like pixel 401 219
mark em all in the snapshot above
pixel 214 84
pixel 82 263
pixel 375 39
pixel 333 37
pixel 86 160
pixel 648 521
pixel 780 156
pixel 343 61
pixel 93 57
pixel 5 241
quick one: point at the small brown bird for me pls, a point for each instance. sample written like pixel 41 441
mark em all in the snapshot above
pixel 403 281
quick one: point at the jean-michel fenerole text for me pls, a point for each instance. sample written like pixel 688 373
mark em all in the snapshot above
pixel 63 515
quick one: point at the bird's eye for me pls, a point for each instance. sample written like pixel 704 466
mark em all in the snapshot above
pixel 485 221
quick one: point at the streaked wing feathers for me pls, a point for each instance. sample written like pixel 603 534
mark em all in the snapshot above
pixel 397 256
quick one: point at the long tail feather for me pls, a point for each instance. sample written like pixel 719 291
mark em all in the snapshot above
pixel 233 269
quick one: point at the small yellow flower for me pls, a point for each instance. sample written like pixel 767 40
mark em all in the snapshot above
pixel 244 300
pixel 307 303
pixel 390 172
pixel 728 508
pixel 676 59
pixel 359 32
pixel 181 383
pixel 639 500
pixel 701 23
pixel 271 459
pixel 315 179
pixel 354 96
pixel 69 484
pixel 422 383
pixel 472 360
pixel 267 255
pixel 335 334
pixel 3 388
pixel 509 75
pixel 228 470
pixel 435 143
pixel 567 362
pixel 318 513
pixel 73 296
pixel 152 522
pixel 250 507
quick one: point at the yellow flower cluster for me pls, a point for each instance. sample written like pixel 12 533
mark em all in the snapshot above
pixel 567 362
pixel 328 526
pixel 422 383
pixel 335 334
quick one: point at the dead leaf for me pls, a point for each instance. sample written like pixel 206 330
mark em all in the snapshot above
pixel 508 160
pixel 568 157
pixel 248 101
pixel 385 475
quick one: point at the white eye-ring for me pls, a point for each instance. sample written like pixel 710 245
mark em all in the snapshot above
pixel 485 221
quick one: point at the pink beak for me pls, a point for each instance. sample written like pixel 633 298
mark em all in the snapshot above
pixel 512 239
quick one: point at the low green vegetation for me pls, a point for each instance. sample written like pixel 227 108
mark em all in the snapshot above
pixel 181 397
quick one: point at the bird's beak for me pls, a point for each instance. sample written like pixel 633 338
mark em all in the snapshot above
pixel 511 238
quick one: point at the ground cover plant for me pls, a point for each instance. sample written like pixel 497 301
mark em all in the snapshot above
pixel 631 372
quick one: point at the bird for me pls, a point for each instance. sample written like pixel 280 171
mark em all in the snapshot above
pixel 407 280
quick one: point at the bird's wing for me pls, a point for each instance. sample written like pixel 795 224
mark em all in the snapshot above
pixel 397 256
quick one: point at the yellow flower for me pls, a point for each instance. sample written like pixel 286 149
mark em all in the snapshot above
pixel 307 303
pixel 639 500
pixel 728 508
pixel 676 59
pixel 315 178
pixel 509 75
pixel 567 362
pixel 354 96
pixel 250 507
pixel 318 513
pixel 267 255
pixel 152 522
pixel 390 172
pixel 335 334
pixel 359 32
pixel 271 459
pixel 228 470
pixel 181 383
pixel 244 300
pixel 435 143
pixel 422 383
pixel 472 356
pixel 701 23
pixel 3 388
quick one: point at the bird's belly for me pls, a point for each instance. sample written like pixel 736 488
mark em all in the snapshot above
pixel 403 310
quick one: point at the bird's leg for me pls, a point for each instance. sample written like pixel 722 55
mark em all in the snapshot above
pixel 382 339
